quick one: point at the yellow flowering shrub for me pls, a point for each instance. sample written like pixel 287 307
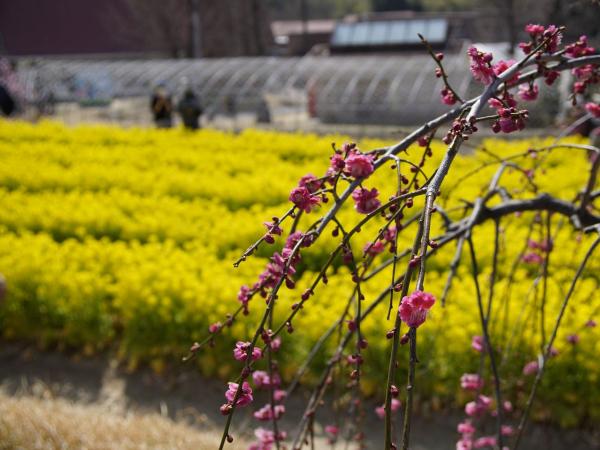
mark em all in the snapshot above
pixel 126 238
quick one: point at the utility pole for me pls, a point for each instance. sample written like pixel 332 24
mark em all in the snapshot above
pixel 304 19
pixel 195 29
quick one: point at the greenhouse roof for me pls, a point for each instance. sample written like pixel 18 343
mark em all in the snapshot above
pixel 389 32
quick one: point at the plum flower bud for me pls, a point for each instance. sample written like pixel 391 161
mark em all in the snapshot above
pixel 404 339
pixel 550 77
pixel 573 339
pixel 413 308
pixel 273 228
pixel 351 325
pixel 477 343
pixel 214 327
pixel 591 323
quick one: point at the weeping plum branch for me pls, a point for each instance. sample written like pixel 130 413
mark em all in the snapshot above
pixel 347 184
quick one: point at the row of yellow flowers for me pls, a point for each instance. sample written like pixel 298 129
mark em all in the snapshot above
pixel 126 238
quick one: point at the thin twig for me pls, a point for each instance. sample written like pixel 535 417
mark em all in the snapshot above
pixel 546 354
pixel 488 344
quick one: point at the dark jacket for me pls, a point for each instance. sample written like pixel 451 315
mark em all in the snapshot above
pixel 190 109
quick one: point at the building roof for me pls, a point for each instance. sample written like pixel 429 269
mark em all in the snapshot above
pixel 293 27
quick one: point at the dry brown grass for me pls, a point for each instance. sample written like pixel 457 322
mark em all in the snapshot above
pixel 30 423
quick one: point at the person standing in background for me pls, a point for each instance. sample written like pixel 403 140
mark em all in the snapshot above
pixel 190 109
pixel 162 107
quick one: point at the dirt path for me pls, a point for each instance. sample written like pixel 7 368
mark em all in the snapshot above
pixel 189 398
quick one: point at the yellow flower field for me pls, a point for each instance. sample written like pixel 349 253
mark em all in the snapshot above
pixel 125 239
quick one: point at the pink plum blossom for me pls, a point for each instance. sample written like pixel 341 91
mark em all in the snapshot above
pixel 534 30
pixel 395 405
pixel 593 109
pixel 486 441
pixel 466 428
pixel 365 200
pixel 502 66
pixel 267 413
pixel 531 368
pixel 464 444
pixel 507 430
pixel 413 308
pixel 471 382
pixel 373 249
pixel 480 65
pixel 478 406
pixel 579 48
pixel 532 258
pixel 279 395
pixel 332 430
pixel 303 199
pixel 448 97
pixel 358 165
pixel 262 380
pixel 310 182
pixel 245 397
pixel 240 352
pixel 337 163
pixel 528 92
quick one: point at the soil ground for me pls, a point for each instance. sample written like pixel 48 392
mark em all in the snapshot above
pixel 185 397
